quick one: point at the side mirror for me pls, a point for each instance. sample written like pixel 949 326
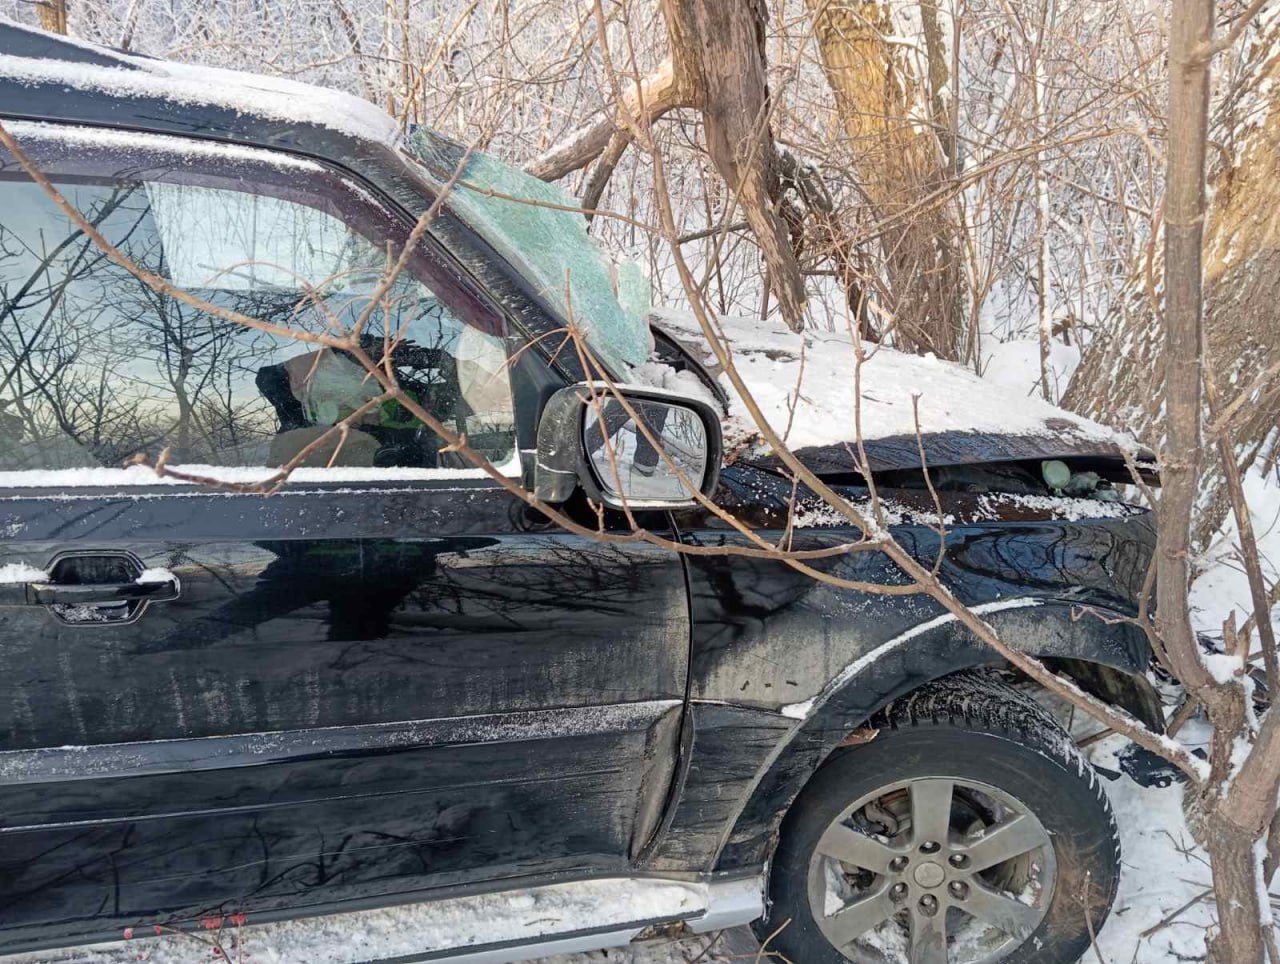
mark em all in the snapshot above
pixel 605 442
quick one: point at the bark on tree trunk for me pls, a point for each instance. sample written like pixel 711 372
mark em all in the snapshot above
pixel 718 67
pixel 53 15
pixel 1234 867
pixel 719 44
pixel 1229 815
pixel 941 101
pixel 901 167
pixel 1183 214
pixel 1119 378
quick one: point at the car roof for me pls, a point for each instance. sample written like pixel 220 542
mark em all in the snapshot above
pixel 46 77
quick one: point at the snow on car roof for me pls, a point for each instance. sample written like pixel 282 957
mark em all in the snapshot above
pixel 42 59
pixel 804 384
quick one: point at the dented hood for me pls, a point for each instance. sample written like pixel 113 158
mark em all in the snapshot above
pixel 816 397
pixel 960 448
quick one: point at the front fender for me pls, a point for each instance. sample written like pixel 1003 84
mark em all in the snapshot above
pixel 1048 629
pixel 749 763
pixel 784 665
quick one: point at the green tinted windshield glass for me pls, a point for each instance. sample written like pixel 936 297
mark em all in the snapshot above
pixel 548 245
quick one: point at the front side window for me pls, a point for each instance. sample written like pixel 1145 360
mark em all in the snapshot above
pixel 96 366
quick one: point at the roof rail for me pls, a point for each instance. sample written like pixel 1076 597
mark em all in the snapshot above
pixel 49 78
pixel 17 40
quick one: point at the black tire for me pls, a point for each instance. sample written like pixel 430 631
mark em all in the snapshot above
pixel 972 726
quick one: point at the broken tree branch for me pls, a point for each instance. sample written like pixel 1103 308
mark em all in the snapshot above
pixel 659 93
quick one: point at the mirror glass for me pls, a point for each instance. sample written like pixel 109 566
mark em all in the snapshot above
pixel 627 463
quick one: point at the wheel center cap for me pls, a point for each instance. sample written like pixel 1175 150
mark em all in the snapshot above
pixel 930 874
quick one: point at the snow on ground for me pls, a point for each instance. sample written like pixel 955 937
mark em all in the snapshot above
pixel 1158 916
pixel 1015 365
pixel 1223 585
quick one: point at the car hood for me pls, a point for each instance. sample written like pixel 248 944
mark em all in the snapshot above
pixel 812 393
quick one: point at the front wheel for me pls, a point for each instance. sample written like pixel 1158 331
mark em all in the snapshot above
pixel 969 830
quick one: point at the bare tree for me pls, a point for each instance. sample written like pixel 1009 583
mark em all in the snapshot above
pixel 900 160
pixel 1121 372
pixel 717 66
pixel 1232 810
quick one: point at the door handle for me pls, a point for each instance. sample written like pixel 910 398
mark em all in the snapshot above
pixel 50 594
pixel 69 582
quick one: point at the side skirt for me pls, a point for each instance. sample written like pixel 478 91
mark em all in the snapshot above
pixel 493 928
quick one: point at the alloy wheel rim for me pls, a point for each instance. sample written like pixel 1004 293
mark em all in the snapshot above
pixel 934 870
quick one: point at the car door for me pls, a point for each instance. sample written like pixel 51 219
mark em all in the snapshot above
pixel 383 678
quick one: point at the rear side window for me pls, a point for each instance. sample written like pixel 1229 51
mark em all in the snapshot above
pixel 96 366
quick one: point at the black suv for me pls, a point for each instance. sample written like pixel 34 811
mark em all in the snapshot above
pixel 391 682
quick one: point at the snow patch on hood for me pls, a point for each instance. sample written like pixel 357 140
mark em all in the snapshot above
pixel 804 385
pixel 816 514
pixel 820 515
pixel 1065 508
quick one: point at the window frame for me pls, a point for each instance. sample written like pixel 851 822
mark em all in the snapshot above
pixel 76 153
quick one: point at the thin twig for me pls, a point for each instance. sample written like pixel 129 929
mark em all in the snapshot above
pixel 1169 918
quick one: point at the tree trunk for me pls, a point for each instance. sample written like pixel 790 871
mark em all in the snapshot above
pixel 1234 867
pixel 899 167
pixel 718 67
pixel 1236 831
pixel 1229 814
pixel 1119 378
pixel 53 15
pixel 719 45
pixel 1183 386
pixel 941 99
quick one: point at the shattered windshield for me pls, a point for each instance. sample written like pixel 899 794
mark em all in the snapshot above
pixel 548 245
